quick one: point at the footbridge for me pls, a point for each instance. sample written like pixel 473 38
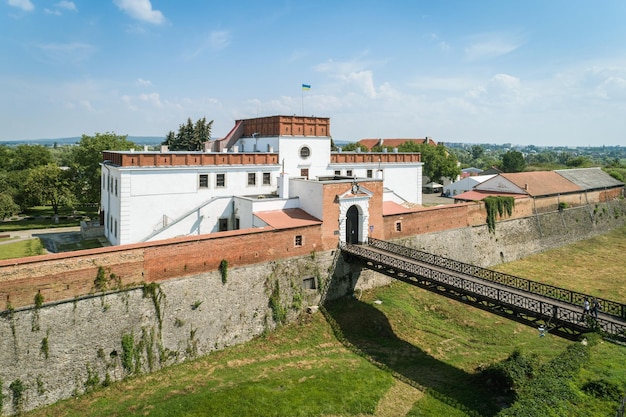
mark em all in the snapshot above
pixel 546 307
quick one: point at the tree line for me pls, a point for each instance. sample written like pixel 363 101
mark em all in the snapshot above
pixel 69 176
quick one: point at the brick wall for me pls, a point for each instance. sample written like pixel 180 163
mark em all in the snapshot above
pixel 68 275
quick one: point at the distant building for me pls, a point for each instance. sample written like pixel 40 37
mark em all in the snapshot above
pixel 466 184
pixel 394 143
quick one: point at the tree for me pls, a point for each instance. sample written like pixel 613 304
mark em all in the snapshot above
pixel 8 207
pixel 49 184
pixel 190 136
pixel 353 146
pixel 438 162
pixel 513 161
pixel 86 159
pixel 477 151
pixel 30 156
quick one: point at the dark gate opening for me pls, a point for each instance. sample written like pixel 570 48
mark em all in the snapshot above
pixel 352 225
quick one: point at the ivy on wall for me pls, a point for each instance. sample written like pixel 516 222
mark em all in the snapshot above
pixel 497 205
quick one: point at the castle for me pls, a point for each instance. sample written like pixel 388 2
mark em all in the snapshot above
pixel 268 172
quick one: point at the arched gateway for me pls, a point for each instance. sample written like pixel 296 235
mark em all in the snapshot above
pixel 354 215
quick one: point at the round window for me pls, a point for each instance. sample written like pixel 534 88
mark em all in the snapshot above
pixel 305 152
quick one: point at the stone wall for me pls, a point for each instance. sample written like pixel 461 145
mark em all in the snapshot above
pixel 186 307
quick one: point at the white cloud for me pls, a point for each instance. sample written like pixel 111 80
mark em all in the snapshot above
pixel 67 5
pixel 144 83
pixel 140 10
pixel 489 46
pixel 152 98
pixel 219 39
pixel 66 52
pixel 62 5
pixel 25 5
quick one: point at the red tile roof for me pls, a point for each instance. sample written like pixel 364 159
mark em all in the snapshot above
pixel 287 218
pixel 538 183
pixel 390 207
pixel 394 143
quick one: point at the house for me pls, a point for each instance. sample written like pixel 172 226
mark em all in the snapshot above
pixel 569 186
pixel 466 184
pixel 394 143
pixel 268 172
pixel 470 172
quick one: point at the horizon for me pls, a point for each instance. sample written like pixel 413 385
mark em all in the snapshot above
pixel 490 72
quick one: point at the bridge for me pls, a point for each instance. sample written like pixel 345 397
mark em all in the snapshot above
pixel 546 307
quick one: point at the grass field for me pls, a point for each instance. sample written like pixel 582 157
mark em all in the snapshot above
pixel 41 218
pixel 411 353
pixel 29 247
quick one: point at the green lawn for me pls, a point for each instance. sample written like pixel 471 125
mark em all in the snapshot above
pixel 22 248
pixel 41 218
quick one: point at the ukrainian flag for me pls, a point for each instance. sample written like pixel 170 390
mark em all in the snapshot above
pixel 306 87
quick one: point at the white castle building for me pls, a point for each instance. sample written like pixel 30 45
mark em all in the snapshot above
pixel 267 172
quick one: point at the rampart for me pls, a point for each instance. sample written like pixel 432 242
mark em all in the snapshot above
pixel 75 321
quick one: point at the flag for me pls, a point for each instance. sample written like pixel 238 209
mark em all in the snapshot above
pixel 306 87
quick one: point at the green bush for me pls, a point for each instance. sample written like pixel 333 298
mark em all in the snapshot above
pixel 603 389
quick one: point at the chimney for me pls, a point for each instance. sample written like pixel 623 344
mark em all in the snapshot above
pixel 526 187
pixel 164 148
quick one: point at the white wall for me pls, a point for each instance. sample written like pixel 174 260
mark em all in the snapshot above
pixel 151 193
pixel 316 163
pixel 310 195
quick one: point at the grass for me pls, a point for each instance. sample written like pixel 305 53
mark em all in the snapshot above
pixel 22 248
pixel 357 361
pixel 590 266
pixel 41 218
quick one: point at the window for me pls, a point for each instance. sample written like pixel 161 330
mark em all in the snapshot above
pixel 116 186
pixel 251 178
pixel 304 172
pixel 115 229
pixel 298 240
pixel 338 172
pixel 309 283
pixel 267 178
pixel 398 226
pixel 220 180
pixel 348 172
pixel 369 173
pixel 236 223
pixel 203 180
pixel 305 152
pixel 223 225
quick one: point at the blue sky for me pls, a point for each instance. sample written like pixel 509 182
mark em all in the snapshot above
pixel 549 72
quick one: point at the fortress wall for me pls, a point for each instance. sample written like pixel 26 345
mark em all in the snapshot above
pixel 65 276
pixel 65 347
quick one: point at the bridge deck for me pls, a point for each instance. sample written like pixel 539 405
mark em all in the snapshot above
pixel 556 315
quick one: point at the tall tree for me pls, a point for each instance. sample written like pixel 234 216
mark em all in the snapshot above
pixel 30 156
pixel 8 207
pixel 513 161
pixel 190 136
pixel 438 162
pixel 86 159
pixel 49 184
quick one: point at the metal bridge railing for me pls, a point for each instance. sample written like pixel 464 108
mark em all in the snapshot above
pixel 416 272
pixel 609 307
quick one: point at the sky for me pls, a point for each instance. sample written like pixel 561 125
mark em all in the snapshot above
pixel 533 72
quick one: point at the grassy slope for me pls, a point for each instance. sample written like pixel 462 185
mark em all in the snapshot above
pixel 433 343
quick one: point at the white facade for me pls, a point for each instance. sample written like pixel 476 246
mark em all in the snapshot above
pixel 152 202
pixel 466 184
